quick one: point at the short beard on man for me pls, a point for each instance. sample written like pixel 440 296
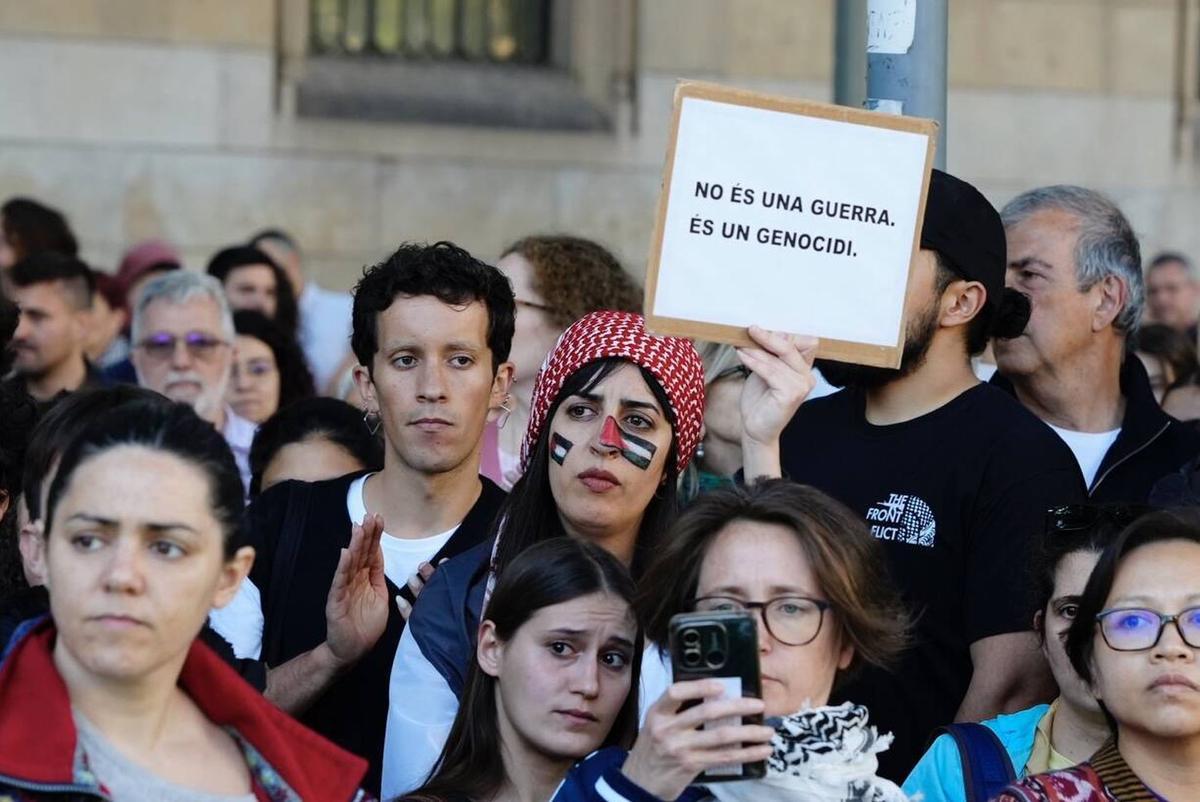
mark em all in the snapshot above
pixel 917 340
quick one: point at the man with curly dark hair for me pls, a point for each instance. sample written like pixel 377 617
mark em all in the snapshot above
pixel 432 331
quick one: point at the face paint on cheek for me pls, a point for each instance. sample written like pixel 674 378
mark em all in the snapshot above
pixel 638 451
pixel 559 446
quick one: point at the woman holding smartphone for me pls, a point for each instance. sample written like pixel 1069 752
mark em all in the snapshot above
pixel 810 572
pixel 554 678
pixel 1136 643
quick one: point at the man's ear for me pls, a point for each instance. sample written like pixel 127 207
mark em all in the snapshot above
pixel 501 387
pixel 962 302
pixel 366 388
pixel 490 652
pixel 232 573
pixel 1111 294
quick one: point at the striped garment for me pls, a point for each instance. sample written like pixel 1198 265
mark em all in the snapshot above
pixel 1104 778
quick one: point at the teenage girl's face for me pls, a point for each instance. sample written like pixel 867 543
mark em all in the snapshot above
pixel 563 676
pixel 1070 578
pixel 1154 692
pixel 134 562
pixel 751 561
pixel 608 454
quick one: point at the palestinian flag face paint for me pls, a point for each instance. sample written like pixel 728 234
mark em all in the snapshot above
pixel 638 451
pixel 559 446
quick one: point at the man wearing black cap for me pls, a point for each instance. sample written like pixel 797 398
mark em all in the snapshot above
pixel 953 478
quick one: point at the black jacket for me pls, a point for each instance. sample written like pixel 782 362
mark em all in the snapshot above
pixel 298 530
pixel 1150 446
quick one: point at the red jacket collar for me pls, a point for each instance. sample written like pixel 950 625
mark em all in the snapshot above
pixel 37 732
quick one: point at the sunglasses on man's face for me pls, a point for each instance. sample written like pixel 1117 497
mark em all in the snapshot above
pixel 1073 518
pixel 200 345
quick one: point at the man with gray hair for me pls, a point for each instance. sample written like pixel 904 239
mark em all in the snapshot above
pixel 1074 254
pixel 183 337
pixel 1173 292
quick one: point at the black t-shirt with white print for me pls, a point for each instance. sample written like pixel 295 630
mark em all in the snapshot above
pixel 958 499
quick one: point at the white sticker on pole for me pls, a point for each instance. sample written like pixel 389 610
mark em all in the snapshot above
pixel 891 26
pixel 732 690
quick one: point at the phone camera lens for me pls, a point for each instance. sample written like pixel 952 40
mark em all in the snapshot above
pixel 715 658
pixel 691 659
pixel 691 637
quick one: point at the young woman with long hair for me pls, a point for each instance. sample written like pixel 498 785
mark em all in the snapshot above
pixel 554 677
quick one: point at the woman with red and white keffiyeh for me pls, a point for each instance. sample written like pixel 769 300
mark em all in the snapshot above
pixel 616 415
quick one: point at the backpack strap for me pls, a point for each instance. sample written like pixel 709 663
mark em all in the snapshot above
pixel 986 766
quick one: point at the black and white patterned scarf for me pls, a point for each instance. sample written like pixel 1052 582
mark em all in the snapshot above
pixel 822 753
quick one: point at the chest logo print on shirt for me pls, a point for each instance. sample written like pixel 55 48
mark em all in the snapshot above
pixel 903 519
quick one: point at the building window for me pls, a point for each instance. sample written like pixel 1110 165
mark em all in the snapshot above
pixel 480 31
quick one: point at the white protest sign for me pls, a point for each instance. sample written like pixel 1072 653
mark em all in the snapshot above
pixel 792 215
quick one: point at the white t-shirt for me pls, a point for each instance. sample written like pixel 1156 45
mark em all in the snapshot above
pixel 401 555
pixel 241 621
pixel 1089 449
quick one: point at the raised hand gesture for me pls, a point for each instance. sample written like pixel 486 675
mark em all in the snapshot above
pixel 356 610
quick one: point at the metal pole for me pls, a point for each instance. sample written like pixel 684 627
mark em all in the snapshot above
pixel 850 55
pixel 906 60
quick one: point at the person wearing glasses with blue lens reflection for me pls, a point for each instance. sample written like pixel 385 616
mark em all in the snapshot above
pixel 183 336
pixel 1135 641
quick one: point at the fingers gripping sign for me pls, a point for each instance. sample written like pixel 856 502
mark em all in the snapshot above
pixel 780 379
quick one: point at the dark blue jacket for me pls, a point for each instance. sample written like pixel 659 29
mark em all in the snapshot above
pixel 1151 444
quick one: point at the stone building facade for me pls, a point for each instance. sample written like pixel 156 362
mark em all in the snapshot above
pixel 203 120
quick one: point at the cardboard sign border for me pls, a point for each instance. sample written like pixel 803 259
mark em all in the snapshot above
pixel 884 356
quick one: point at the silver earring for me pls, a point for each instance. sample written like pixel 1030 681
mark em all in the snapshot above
pixel 504 405
pixel 372 421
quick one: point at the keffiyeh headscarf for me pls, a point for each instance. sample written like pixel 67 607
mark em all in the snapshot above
pixel 820 754
pixel 600 335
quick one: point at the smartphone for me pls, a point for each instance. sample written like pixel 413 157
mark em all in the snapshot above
pixel 722 646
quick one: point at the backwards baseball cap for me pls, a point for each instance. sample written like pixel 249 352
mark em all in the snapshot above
pixel 966 231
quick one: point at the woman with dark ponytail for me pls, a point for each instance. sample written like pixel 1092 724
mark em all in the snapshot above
pixel 554 678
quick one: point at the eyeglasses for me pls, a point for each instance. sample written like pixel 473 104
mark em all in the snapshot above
pixel 1136 629
pixel 1069 518
pixel 256 369
pixel 200 345
pixel 791 620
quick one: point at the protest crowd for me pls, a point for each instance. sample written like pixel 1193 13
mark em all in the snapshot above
pixel 426 541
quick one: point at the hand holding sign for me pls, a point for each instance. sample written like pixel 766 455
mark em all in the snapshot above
pixel 795 215
pixel 779 381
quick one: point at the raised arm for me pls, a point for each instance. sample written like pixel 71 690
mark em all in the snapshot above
pixel 356 613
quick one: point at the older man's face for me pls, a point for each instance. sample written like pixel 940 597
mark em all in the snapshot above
pixel 1041 264
pixel 184 353
pixel 1172 295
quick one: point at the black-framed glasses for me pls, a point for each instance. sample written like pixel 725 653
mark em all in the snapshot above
pixel 1135 629
pixel 791 620
pixel 200 345
pixel 1074 518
